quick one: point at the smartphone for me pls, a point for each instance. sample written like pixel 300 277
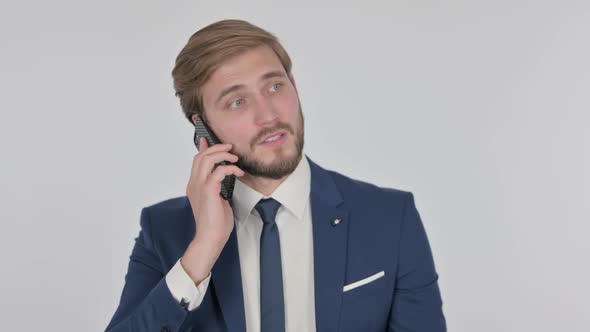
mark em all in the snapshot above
pixel 203 130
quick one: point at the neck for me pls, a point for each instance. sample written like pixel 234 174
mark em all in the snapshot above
pixel 266 186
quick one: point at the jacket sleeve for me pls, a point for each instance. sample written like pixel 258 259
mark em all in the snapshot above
pixel 417 303
pixel 146 302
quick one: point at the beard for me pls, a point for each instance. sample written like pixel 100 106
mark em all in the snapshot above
pixel 280 168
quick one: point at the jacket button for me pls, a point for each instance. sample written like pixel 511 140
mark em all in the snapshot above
pixel 164 329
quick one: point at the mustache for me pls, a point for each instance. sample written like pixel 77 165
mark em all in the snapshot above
pixel 264 132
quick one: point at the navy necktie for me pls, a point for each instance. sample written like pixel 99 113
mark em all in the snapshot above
pixel 272 306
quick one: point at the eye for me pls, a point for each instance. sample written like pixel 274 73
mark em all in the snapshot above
pixel 276 86
pixel 237 102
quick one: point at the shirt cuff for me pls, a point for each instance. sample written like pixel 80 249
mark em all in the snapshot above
pixel 183 288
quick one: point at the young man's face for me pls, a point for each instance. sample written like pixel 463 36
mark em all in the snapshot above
pixel 249 98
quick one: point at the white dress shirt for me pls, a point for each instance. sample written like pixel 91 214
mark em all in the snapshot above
pixel 295 232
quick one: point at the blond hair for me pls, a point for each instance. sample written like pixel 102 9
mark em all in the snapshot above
pixel 207 49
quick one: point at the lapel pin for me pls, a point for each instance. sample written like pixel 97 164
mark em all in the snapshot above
pixel 335 222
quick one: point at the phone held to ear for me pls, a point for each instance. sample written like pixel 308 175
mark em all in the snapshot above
pixel 203 130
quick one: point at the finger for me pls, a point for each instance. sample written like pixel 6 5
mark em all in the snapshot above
pixel 204 152
pixel 205 149
pixel 221 172
pixel 207 163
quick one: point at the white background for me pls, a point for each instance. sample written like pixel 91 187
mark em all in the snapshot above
pixel 480 108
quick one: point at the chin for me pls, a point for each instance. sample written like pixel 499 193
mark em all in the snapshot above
pixel 275 165
pixel 275 159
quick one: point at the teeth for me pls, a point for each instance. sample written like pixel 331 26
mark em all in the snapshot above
pixel 274 138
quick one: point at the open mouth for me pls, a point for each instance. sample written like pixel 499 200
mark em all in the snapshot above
pixel 274 140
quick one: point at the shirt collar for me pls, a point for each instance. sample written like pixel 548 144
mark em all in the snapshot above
pixel 292 193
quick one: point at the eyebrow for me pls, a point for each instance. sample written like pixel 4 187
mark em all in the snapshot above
pixel 228 90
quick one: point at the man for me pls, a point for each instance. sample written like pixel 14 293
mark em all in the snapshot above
pixel 298 247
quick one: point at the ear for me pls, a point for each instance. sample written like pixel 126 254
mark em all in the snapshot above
pixel 194 119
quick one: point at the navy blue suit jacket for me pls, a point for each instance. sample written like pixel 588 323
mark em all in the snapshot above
pixel 381 230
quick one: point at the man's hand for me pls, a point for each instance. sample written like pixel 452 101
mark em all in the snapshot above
pixel 214 216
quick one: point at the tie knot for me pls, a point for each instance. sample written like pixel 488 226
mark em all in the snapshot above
pixel 267 208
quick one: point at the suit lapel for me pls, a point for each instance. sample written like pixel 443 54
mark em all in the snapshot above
pixel 227 280
pixel 329 247
pixel 329 251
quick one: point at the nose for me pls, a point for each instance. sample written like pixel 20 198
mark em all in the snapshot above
pixel 265 111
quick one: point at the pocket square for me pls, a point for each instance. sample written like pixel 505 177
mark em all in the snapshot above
pixel 364 281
